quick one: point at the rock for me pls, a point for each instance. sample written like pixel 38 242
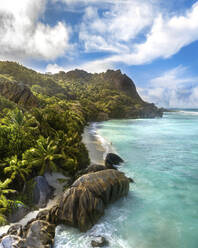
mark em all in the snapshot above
pixel 83 204
pixel 94 168
pixel 99 241
pixel 131 180
pixel 16 230
pixel 18 93
pixel 91 168
pixel 40 234
pixel 42 192
pixel 18 212
pixel 12 241
pixel 112 159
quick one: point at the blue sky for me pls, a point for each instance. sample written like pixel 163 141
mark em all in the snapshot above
pixel 153 41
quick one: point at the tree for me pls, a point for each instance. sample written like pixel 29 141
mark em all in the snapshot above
pixel 17 169
pixel 4 202
pixel 43 155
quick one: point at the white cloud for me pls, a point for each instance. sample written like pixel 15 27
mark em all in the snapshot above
pixel 115 28
pixel 174 88
pixel 92 67
pixel 23 36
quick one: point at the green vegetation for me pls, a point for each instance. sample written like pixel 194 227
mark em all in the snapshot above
pixel 42 118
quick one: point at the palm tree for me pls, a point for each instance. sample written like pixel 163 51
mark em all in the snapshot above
pixel 17 169
pixel 43 155
pixel 4 202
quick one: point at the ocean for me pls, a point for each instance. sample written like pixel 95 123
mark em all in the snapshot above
pixel 161 209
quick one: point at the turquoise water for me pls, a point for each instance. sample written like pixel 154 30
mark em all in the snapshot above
pixel 161 210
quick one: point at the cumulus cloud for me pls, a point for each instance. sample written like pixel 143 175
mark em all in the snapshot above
pixel 174 88
pixel 23 36
pixel 117 31
pixel 115 28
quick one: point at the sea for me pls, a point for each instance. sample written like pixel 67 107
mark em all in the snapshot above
pixel 161 209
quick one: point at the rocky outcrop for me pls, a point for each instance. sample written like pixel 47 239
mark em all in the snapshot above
pixel 112 159
pixel 84 203
pixel 18 93
pixel 36 234
pixel 39 234
pixel 99 242
pixel 12 241
pixel 121 82
pixel 150 111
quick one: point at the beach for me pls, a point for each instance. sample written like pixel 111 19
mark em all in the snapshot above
pixel 95 144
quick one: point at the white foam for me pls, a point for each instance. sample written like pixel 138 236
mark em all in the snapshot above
pixel 188 112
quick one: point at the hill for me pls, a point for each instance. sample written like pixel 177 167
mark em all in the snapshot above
pixel 42 118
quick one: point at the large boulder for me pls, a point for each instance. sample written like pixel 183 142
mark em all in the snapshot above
pixel 112 159
pixel 84 203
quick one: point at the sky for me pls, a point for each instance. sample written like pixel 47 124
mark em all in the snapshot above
pixel 155 42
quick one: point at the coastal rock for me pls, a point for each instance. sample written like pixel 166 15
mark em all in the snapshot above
pixel 16 230
pixel 42 192
pixel 39 234
pixel 84 203
pixel 112 159
pixel 12 241
pixel 99 241
pixel 91 168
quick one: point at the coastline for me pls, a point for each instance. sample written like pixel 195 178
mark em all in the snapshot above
pixel 97 148
pixel 96 145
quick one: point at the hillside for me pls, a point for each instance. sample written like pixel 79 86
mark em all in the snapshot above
pixel 111 94
pixel 42 118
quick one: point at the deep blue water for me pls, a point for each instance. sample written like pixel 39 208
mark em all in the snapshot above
pixel 161 210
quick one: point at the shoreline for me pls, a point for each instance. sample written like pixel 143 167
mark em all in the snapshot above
pixel 97 148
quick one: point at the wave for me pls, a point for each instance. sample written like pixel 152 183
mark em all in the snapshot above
pixel 104 142
pixel 188 112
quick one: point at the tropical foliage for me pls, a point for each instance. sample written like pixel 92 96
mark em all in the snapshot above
pixel 48 137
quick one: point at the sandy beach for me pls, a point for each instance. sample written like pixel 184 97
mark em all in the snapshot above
pixel 93 144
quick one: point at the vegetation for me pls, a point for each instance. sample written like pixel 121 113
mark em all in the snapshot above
pixel 47 135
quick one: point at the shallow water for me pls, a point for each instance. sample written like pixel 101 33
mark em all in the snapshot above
pixel 161 210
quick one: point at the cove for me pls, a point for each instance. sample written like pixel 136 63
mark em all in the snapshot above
pixel 161 209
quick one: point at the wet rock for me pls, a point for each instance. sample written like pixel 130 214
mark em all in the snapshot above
pixel 112 159
pixel 16 230
pixel 131 180
pixel 12 241
pixel 99 241
pixel 84 203
pixel 39 234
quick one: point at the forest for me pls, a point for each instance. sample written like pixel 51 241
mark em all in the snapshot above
pixel 42 117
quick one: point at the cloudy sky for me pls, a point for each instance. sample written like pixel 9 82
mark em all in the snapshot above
pixel 155 42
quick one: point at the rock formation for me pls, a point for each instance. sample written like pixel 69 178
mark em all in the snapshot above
pixel 84 203
pixel 18 93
